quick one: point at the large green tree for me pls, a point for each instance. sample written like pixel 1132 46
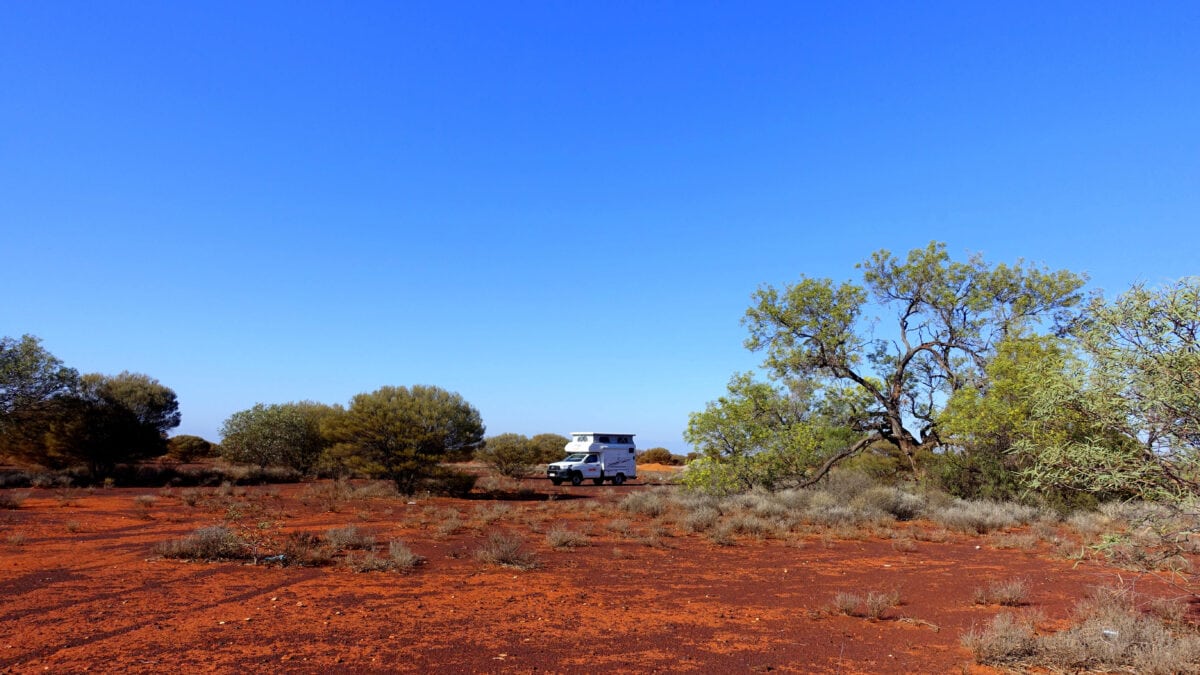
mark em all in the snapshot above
pixel 763 435
pixel 282 434
pixel 946 319
pixel 1138 390
pixel 30 375
pixel 104 421
pixel 403 433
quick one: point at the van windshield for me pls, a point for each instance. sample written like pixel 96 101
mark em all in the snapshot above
pixel 575 457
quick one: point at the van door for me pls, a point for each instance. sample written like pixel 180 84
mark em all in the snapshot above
pixel 591 466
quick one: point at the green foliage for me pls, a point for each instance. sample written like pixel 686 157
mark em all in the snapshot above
pixel 949 317
pixel 1137 392
pixel 760 436
pixel 102 422
pixel 659 456
pixel 186 448
pixel 402 434
pixel 287 434
pixel 30 375
pixel 550 447
pixel 512 455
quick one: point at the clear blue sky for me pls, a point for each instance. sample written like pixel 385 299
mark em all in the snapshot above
pixel 558 210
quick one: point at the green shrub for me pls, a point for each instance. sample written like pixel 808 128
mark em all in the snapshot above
pixel 511 455
pixel 186 448
pixel 659 456
pixel 549 447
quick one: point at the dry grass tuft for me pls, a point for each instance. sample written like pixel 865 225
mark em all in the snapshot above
pixel 1010 593
pixel 506 551
pixel 559 536
pixel 207 543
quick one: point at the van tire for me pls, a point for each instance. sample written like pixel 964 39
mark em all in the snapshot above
pixel 576 478
pixel 618 479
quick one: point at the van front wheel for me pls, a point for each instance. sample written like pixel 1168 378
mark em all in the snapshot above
pixel 576 478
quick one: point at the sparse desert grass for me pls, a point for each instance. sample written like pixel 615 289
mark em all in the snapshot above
pixel 449 524
pixel 619 526
pixel 1010 593
pixel 560 536
pixel 190 496
pixel 904 544
pixel 330 495
pixel 936 536
pixel 1111 633
pixel 12 499
pixel 349 537
pixel 722 535
pixel 142 504
pixel 699 519
pixel 16 539
pixel 486 515
pixel 1024 541
pixel 72 526
pixel 650 503
pixel 891 501
pixel 750 524
pixel 873 605
pixel 207 543
pixel 982 516
pixel 1007 639
pixel 505 550
pixel 305 549
pixel 403 557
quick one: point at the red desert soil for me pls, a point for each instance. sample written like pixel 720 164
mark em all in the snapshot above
pixel 83 589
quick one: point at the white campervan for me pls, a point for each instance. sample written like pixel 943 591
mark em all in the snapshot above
pixel 596 456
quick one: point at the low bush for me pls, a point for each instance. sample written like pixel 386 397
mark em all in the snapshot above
pixel 1006 639
pixel 1111 633
pixel 349 537
pixel 208 544
pixel 660 456
pixel 981 517
pixel 1010 593
pixel 11 499
pixel 559 536
pixel 645 502
pixel 506 551
pixel 402 556
pixel 511 455
pixel 305 549
pixel 874 605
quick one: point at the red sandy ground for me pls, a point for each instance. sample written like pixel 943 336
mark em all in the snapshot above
pixel 83 590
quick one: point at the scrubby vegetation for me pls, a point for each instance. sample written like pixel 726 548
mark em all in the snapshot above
pixel 1114 630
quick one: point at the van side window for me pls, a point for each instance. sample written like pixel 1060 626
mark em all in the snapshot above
pixel 604 439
